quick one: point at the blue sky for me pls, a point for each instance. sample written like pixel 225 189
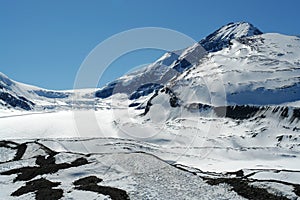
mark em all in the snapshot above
pixel 44 42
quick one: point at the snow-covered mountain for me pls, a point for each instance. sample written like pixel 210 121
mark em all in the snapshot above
pixel 222 114
pixel 170 65
pixel 259 70
pixel 18 96
pixel 238 57
pixel 235 65
pixel 11 95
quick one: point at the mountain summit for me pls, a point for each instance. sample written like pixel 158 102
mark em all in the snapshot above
pixel 221 37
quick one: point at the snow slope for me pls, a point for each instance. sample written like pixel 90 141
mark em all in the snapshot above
pixel 259 70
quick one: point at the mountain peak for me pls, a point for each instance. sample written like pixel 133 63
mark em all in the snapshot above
pixel 221 37
pixel 238 30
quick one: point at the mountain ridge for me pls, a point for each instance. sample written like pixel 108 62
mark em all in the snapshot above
pixel 242 37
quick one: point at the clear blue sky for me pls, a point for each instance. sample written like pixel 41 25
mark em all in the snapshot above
pixel 44 42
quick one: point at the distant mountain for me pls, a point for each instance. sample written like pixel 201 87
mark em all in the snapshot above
pixel 172 64
pixel 12 96
pixel 15 95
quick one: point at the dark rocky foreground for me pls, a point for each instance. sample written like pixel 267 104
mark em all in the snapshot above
pixel 90 184
pixel 32 163
pixel 45 164
pixel 42 188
